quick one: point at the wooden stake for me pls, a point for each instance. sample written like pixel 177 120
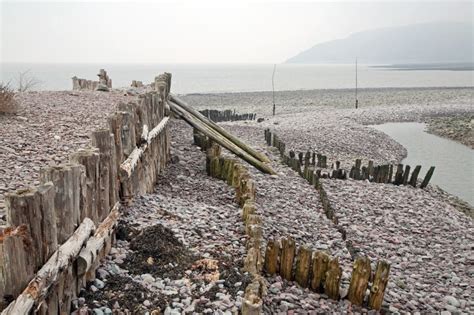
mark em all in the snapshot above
pixel 333 279
pixel 379 285
pixel 303 266
pixel 319 268
pixel 427 178
pixel 414 175
pixel 272 253
pixel 286 259
pixel 359 280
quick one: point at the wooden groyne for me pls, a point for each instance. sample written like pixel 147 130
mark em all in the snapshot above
pixel 312 165
pixel 104 83
pixel 237 175
pixel 226 115
pixel 313 269
pixel 57 233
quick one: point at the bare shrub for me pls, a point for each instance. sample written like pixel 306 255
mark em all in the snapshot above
pixel 26 82
pixel 8 104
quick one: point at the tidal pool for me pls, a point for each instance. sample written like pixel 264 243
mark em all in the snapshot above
pixel 454 162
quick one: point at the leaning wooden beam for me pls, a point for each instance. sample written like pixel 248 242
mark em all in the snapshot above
pixel 49 274
pixel 257 155
pixel 94 245
pixel 217 137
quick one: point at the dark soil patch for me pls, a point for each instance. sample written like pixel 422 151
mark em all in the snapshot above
pixel 127 293
pixel 125 232
pixel 158 252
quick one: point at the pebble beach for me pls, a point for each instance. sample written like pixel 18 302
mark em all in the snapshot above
pixel 421 233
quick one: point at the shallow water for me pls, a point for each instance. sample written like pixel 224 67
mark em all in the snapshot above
pixel 454 162
pixel 212 78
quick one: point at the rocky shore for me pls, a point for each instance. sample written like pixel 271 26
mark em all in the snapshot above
pixel 458 128
pixel 181 248
pixel 47 128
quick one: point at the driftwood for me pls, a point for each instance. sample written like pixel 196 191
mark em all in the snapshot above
pixel 127 167
pixel 95 244
pixel 220 139
pixel 49 274
pixel 257 155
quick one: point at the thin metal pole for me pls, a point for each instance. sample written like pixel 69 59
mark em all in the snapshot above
pixel 273 87
pixel 357 101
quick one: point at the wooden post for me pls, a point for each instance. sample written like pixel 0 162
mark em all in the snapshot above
pixel 272 253
pixel 319 268
pixel 23 207
pixel 18 256
pixel 414 175
pixel 89 158
pixel 359 280
pixel 371 168
pixel 333 279
pixel 399 175
pixel 303 266
pixel 390 174
pixel 287 257
pixel 49 231
pixel 406 174
pixel 104 141
pixel 377 290
pixel 65 184
pixel 427 178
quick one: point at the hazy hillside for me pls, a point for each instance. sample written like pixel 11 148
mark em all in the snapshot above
pixel 418 43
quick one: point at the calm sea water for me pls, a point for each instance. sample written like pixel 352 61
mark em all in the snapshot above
pixel 212 78
pixel 454 162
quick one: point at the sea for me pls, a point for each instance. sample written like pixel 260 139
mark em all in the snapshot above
pixel 218 78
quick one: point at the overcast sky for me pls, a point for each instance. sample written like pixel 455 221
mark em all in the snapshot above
pixel 197 31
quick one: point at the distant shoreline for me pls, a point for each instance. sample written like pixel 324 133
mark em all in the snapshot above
pixel 428 66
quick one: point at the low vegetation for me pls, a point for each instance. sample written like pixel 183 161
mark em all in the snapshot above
pixel 8 104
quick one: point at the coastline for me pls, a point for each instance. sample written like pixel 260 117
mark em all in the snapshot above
pixel 418 231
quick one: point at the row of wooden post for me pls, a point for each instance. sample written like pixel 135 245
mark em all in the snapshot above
pixel 87 190
pixel 315 269
pixel 309 161
pixel 237 175
pixel 226 115
pixel 388 174
pixel 321 273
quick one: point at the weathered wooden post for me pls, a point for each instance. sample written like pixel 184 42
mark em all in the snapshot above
pixel 287 257
pixel 272 253
pixel 359 280
pixel 406 174
pixel 414 175
pixel 333 279
pixel 427 178
pixel 303 266
pixel 89 158
pixel 379 285
pixel 319 268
